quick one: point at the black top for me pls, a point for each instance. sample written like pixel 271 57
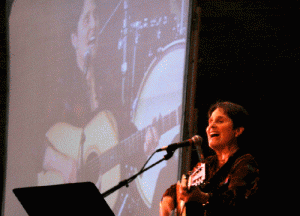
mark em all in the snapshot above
pixel 233 189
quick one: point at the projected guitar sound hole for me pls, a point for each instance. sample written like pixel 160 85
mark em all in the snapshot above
pixel 92 168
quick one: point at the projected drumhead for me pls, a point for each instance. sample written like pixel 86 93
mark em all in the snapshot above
pixel 161 91
pixel 161 98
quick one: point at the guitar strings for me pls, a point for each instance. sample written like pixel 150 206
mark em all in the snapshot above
pixel 110 159
pixel 95 163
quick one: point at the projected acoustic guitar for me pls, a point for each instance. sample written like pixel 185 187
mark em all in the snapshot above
pixel 101 152
pixel 160 95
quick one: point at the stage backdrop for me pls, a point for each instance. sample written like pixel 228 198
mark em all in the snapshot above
pixel 95 88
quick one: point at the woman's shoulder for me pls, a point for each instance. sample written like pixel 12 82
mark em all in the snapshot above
pixel 246 159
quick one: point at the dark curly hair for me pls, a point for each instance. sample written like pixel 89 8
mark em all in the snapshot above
pixel 235 112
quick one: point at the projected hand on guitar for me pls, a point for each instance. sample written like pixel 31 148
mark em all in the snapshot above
pixel 151 139
pixel 102 153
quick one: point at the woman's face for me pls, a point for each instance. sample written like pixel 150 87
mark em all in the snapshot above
pixel 220 132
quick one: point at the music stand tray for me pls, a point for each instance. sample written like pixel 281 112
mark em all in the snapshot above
pixel 65 199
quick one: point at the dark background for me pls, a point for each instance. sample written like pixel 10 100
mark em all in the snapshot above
pixel 248 51
pixel 249 54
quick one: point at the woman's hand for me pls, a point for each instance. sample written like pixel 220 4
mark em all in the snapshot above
pixel 192 194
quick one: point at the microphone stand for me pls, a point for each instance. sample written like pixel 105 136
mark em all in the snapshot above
pixel 127 181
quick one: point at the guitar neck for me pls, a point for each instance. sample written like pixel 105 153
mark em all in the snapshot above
pixel 163 124
pixel 134 143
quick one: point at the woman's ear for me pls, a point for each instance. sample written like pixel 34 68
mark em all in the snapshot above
pixel 239 131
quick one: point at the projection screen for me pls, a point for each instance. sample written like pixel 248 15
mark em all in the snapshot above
pixel 95 88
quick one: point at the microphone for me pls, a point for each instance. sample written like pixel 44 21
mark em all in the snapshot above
pixel 196 140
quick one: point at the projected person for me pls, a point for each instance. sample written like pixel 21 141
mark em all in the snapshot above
pixel 90 135
pixel 232 174
pixel 84 128
pixel 84 43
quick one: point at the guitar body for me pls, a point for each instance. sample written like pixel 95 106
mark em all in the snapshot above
pixel 100 135
pixel 193 209
pixel 190 209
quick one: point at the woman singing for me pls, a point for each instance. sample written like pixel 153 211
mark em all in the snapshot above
pixel 231 175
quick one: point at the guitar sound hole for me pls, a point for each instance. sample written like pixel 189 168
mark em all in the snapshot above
pixel 92 168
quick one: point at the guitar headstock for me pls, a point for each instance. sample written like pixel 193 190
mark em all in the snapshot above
pixel 197 177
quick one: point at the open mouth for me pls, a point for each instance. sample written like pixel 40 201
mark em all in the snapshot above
pixel 214 135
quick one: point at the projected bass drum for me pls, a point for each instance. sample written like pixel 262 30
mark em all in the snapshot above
pixel 160 97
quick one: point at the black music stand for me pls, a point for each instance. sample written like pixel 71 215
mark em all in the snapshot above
pixel 64 199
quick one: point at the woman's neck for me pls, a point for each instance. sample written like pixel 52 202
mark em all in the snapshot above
pixel 224 154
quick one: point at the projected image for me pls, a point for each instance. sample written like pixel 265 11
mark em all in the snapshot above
pixel 111 93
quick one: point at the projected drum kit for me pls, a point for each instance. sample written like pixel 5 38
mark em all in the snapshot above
pixel 157 90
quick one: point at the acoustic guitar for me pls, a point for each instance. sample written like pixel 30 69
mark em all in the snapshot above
pixel 195 178
pixel 94 152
